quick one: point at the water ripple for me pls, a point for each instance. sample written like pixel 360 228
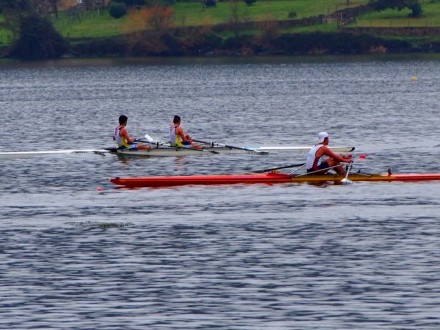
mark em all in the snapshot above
pixel 76 253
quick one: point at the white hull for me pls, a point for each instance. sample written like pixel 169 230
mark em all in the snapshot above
pixel 168 151
pixel 301 149
pixel 26 154
pixel 176 152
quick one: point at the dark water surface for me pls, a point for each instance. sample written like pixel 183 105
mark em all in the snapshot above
pixel 77 253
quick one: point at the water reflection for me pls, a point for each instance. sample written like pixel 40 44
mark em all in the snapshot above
pixel 360 256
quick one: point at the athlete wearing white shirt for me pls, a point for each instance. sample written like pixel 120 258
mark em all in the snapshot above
pixel 321 159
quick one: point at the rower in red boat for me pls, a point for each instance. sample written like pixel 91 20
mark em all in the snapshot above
pixel 123 139
pixel 321 159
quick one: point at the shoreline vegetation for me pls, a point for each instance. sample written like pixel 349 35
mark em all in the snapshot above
pixel 230 28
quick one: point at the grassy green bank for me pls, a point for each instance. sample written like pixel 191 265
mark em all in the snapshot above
pixel 96 25
pixel 94 29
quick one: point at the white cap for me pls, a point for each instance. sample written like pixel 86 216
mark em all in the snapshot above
pixel 322 136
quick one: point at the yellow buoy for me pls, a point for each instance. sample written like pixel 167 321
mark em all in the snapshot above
pixel 413 78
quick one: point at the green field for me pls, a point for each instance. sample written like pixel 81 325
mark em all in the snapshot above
pixel 329 27
pixel 193 14
pixel 94 24
pixel 5 35
pixel 90 25
pixel 189 13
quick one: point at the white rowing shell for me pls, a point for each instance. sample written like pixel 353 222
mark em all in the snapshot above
pixel 165 151
pixel 24 154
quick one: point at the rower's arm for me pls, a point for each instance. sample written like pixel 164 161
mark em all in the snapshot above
pixel 123 133
pixel 181 133
pixel 336 156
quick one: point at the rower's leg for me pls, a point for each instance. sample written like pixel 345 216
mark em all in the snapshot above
pixel 337 166
pixel 196 146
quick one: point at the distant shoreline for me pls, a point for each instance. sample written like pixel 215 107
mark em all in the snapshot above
pixel 209 45
pixel 215 60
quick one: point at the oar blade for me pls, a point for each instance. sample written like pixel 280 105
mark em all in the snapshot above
pixel 149 138
pixel 346 180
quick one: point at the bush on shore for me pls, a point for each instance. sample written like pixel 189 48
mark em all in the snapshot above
pixel 118 9
pixel 38 40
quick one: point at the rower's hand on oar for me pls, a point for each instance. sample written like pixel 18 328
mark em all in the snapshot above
pixel 348 158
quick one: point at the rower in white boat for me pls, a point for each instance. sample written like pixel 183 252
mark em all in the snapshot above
pixel 178 138
pixel 321 159
pixel 123 139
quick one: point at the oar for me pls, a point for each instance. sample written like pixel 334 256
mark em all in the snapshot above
pixel 279 168
pixel 144 141
pixel 297 169
pixel 317 171
pixel 346 180
pixel 151 140
pixel 231 147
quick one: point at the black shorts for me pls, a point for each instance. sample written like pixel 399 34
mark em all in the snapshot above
pixel 322 166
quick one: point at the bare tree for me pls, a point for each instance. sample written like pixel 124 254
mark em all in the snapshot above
pixel 161 18
pixel 54 6
pixel 234 19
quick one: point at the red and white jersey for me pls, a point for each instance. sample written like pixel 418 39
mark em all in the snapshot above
pixel 312 161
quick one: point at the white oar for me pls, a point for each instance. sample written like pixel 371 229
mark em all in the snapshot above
pixel 150 139
pixel 212 144
pixel 346 180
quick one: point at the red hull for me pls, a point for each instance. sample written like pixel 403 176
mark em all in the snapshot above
pixel 268 178
pixel 168 181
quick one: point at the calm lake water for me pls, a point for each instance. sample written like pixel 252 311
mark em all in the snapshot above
pixel 77 253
